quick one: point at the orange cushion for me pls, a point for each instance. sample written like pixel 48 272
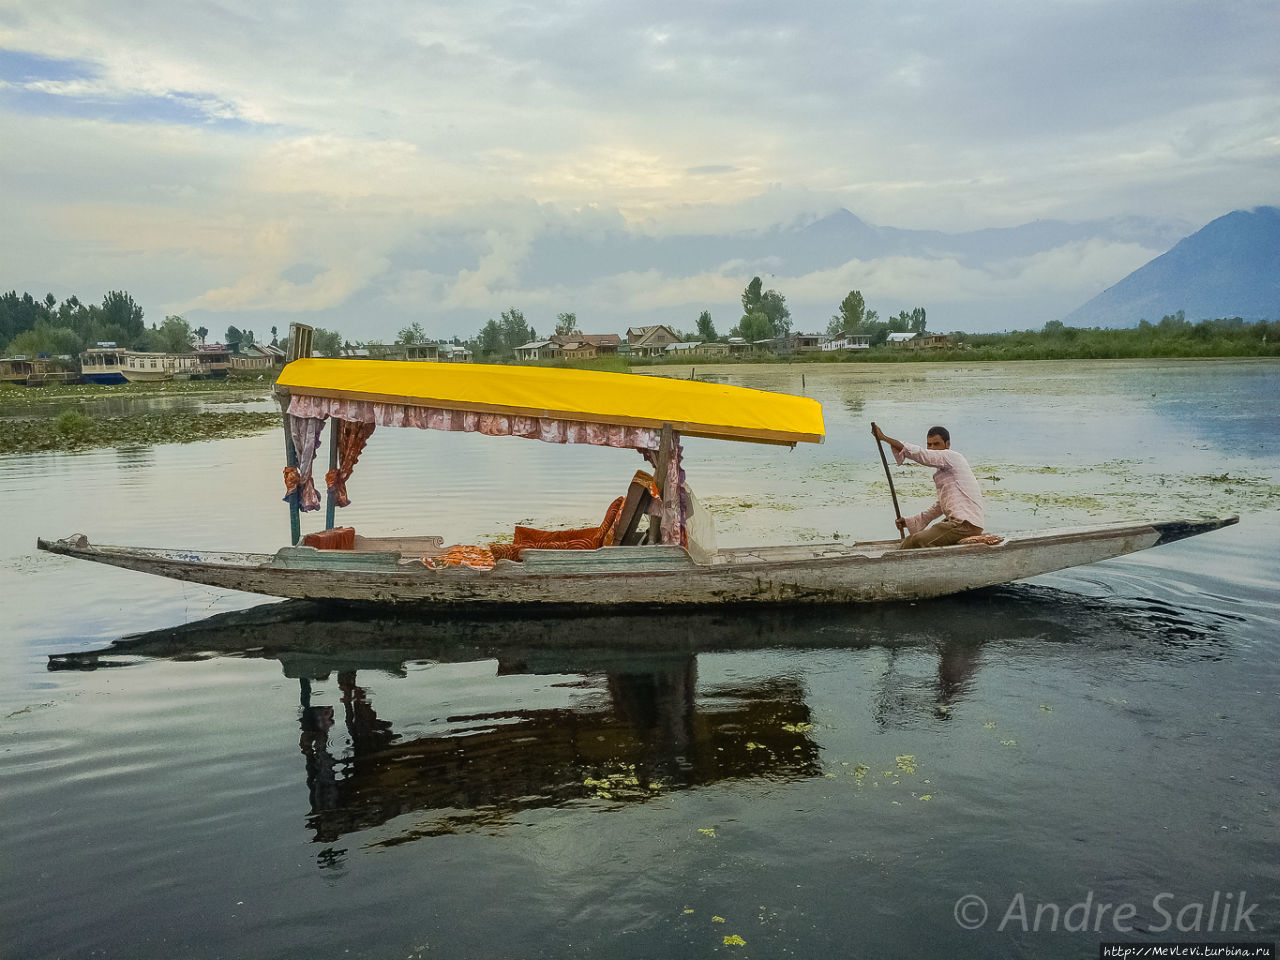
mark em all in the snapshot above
pixel 335 538
pixel 583 538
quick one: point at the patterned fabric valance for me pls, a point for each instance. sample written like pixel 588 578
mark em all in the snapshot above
pixel 490 424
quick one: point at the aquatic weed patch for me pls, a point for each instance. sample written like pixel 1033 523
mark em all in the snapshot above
pixel 73 430
pixel 223 391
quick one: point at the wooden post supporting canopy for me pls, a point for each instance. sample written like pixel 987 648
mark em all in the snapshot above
pixel 666 449
pixel 299 347
pixel 330 497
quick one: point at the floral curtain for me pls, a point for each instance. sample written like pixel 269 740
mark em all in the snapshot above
pixel 299 487
pixel 672 510
pixel 359 418
pixel 352 438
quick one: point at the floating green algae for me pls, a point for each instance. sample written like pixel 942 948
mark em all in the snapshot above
pixel 73 430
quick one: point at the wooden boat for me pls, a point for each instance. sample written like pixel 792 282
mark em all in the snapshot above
pixel 619 564
pixel 397 571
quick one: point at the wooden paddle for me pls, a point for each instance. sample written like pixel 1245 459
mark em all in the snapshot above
pixel 888 476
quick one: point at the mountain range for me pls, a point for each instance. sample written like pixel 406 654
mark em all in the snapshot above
pixel 1001 278
pixel 1229 268
pixel 454 276
pixel 614 276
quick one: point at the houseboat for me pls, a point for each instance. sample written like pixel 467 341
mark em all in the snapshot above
pixel 217 357
pixel 35 373
pixel 139 367
pixel 102 364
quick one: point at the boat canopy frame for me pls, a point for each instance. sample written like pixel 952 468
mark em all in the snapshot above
pixel 648 414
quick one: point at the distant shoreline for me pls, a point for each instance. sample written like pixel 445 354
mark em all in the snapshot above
pixel 71 429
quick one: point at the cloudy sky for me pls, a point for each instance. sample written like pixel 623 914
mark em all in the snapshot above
pixel 363 165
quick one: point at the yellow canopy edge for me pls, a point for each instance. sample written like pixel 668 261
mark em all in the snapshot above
pixel 693 408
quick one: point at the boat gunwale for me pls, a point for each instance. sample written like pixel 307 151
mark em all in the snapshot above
pixel 836 555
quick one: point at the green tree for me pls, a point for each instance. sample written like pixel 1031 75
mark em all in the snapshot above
pixel 849 318
pixel 47 340
pixel 202 332
pixel 275 338
pixel 489 341
pixel 87 321
pixel 515 331
pixel 324 343
pixel 706 329
pixel 234 339
pixel 754 326
pixel 775 308
pixel 876 329
pixel 119 310
pixel 411 334
pixel 566 324
pixel 18 314
pixel 770 303
pixel 917 321
pixel 172 336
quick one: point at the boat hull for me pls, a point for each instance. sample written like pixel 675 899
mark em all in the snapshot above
pixel 619 577
pixel 105 379
pixel 147 376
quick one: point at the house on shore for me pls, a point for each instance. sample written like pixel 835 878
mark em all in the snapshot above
pixel 650 341
pixel 539 350
pixel 848 341
pixel 455 353
pixel 588 345
pixel 918 341
pixel 799 343
pixel 427 352
pixel 677 351
pixel 257 356
pixel 575 346
pixel 713 348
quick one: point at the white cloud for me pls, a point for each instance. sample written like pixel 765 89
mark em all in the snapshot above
pixel 196 153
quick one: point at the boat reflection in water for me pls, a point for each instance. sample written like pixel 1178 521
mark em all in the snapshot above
pixel 648 737
pixel 634 722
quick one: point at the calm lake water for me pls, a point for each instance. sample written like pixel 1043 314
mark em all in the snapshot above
pixel 975 776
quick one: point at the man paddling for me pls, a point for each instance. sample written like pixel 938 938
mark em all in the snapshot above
pixel 959 499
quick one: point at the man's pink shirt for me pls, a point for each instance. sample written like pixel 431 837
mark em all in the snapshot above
pixel 958 494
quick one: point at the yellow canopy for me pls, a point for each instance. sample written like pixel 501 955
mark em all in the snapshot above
pixel 692 408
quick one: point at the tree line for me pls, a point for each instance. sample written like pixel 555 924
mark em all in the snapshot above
pixel 766 316
pixel 46 327
pixel 34 327
pixel 1173 335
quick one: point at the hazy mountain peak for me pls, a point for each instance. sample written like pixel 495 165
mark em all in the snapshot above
pixel 1228 268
